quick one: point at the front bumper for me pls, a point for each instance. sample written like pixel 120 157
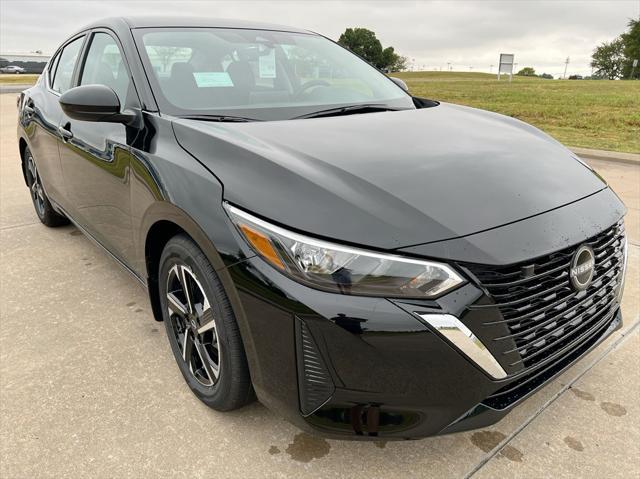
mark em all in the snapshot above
pixel 362 368
pixel 357 367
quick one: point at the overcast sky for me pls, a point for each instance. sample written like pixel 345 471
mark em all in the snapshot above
pixel 466 33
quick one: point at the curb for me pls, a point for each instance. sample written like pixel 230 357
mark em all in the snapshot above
pixel 613 156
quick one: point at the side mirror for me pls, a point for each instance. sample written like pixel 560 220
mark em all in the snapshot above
pixel 400 83
pixel 94 103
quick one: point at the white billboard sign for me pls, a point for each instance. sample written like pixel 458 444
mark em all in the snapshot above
pixel 506 64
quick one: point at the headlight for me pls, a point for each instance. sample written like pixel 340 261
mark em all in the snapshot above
pixel 336 268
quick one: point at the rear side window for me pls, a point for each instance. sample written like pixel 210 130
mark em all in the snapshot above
pixel 64 70
pixel 105 66
pixel 52 69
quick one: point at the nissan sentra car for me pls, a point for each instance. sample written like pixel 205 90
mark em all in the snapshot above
pixel 366 263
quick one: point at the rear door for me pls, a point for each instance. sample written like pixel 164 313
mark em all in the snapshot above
pixel 43 114
pixel 96 156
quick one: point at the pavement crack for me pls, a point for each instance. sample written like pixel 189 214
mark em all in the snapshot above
pixel 504 443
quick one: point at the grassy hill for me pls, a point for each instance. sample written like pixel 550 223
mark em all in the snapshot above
pixel 588 113
pixel 449 76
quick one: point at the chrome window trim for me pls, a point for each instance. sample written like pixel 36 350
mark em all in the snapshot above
pixel 464 340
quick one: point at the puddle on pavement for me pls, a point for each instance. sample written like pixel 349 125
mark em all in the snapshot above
pixel 488 440
pixel 582 394
pixel 613 409
pixel 573 443
pixel 305 448
pixel 273 450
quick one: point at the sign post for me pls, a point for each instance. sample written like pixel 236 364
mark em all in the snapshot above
pixel 506 64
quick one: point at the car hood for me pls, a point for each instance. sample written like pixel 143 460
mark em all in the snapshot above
pixel 390 179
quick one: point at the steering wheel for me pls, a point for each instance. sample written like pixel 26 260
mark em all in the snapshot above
pixel 311 84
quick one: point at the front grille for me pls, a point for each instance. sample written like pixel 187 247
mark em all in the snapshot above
pixel 516 390
pixel 541 310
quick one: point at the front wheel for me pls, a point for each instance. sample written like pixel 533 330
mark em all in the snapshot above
pixel 201 327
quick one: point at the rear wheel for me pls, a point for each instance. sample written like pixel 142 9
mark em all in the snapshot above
pixel 41 203
pixel 201 327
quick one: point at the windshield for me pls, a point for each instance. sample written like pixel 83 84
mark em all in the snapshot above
pixel 258 74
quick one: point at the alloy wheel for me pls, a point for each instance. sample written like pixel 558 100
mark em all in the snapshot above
pixel 193 324
pixel 37 193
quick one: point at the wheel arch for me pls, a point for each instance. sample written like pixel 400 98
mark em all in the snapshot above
pixel 162 222
pixel 22 145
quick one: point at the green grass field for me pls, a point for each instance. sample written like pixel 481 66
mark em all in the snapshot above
pixel 13 79
pixel 589 113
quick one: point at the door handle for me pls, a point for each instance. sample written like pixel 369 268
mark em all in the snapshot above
pixel 28 110
pixel 65 133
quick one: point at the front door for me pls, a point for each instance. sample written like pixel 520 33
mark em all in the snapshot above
pixel 95 156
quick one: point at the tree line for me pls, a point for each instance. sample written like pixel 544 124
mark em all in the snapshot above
pixel 610 60
pixel 614 59
pixel 363 42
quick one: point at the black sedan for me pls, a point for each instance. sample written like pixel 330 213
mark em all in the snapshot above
pixel 367 263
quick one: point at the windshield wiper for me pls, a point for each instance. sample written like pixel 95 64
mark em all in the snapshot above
pixel 224 118
pixel 348 110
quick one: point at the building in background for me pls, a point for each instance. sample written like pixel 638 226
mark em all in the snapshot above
pixel 33 62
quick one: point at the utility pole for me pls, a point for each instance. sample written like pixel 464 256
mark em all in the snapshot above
pixel 566 64
pixel 448 66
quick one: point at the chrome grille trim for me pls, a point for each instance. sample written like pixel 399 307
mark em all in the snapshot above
pixel 462 338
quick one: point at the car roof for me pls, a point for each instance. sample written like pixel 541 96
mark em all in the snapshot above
pixel 178 21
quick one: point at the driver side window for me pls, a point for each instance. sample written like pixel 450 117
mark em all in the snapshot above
pixel 104 65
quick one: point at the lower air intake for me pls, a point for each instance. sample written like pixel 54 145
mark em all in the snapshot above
pixel 314 380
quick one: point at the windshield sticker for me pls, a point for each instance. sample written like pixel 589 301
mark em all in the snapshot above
pixel 267 64
pixel 212 79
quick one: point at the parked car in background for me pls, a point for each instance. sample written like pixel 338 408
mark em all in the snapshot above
pixel 12 69
pixel 370 264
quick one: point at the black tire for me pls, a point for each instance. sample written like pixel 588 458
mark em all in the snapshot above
pixel 220 345
pixel 46 214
